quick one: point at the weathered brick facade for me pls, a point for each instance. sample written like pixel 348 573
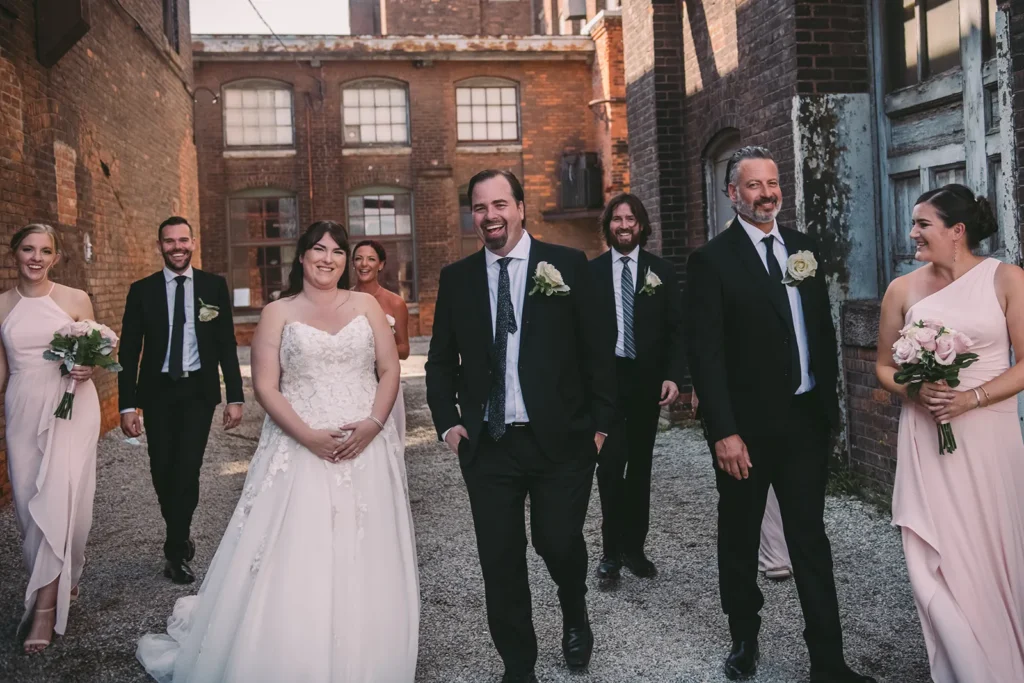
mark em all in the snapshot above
pixel 555 82
pixel 456 17
pixel 98 145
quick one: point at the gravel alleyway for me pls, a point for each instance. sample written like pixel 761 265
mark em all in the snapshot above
pixel 669 629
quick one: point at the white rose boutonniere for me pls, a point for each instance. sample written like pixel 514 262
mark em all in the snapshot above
pixel 207 312
pixel 548 281
pixel 651 283
pixel 799 267
pixel 391 321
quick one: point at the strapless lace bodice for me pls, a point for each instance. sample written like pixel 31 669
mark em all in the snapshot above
pixel 328 378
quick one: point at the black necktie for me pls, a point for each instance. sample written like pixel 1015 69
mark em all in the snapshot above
pixel 775 272
pixel 174 364
pixel 504 325
pixel 626 285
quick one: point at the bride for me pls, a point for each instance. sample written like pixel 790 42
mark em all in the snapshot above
pixel 315 578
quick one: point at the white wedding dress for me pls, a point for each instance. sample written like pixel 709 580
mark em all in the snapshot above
pixel 315 579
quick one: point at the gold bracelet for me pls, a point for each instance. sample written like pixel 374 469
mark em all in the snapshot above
pixel 988 399
pixel 977 396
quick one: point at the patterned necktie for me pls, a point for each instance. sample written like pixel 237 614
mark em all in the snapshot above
pixel 628 345
pixel 504 325
pixel 775 274
pixel 174 363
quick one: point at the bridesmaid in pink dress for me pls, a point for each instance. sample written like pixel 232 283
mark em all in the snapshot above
pixel 51 462
pixel 962 514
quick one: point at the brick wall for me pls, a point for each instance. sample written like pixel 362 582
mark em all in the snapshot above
pixel 100 146
pixel 554 119
pixel 609 85
pixel 832 46
pixel 457 17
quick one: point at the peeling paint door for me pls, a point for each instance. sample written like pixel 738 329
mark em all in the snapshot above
pixel 718 207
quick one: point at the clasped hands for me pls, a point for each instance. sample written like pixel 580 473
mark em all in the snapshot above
pixel 945 403
pixel 343 443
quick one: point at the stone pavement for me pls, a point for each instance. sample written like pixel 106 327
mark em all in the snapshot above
pixel 669 629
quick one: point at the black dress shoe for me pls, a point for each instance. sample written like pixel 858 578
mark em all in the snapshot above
pixel 639 564
pixel 741 663
pixel 843 675
pixel 519 678
pixel 178 571
pixel 578 642
pixel 608 570
pixel 190 550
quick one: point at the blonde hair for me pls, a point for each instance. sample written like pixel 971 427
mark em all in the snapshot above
pixel 36 229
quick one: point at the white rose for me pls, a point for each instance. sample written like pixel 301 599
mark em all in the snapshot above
pixel 207 314
pixel 800 266
pixel 550 277
pixel 652 280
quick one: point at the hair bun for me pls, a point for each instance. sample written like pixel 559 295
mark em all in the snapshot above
pixel 985 225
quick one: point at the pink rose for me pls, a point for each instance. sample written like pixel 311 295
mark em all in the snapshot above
pixel 962 343
pixel 925 336
pixel 76 329
pixel 905 351
pixel 945 350
pixel 932 323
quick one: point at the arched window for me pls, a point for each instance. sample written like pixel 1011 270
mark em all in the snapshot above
pixel 258 113
pixel 718 207
pixel 375 112
pixel 262 234
pixel 487 110
pixel 384 214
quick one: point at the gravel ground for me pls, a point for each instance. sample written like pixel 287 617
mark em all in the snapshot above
pixel 666 629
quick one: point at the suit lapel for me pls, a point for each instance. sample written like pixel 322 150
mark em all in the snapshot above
pixel 751 259
pixel 160 305
pixel 536 247
pixel 638 276
pixel 480 298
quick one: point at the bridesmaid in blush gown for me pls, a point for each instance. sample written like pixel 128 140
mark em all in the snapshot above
pixel 962 513
pixel 51 462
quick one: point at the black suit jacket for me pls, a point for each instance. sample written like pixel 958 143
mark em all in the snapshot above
pixel 145 330
pixel 739 337
pixel 657 319
pixel 566 367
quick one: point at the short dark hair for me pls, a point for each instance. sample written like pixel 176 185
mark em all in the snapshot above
pixel 732 169
pixel 517 187
pixel 377 247
pixel 314 233
pixel 638 209
pixel 173 220
pixel 956 203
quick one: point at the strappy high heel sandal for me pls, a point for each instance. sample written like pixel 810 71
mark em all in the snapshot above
pixel 31 644
pixel 75 592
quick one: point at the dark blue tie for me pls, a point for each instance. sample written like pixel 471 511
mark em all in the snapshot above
pixel 504 325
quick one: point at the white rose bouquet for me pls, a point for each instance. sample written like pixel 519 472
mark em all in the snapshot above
pixel 85 342
pixel 928 351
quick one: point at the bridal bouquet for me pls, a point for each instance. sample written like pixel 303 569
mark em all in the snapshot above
pixel 85 342
pixel 928 351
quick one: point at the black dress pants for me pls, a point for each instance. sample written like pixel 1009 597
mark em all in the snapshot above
pixel 499 478
pixel 177 423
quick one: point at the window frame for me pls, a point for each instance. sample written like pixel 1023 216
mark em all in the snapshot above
pixel 389 240
pixel 725 139
pixel 480 82
pixel 257 84
pixel 377 83
pixel 172 24
pixel 232 243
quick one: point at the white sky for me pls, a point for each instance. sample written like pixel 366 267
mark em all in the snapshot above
pixel 284 16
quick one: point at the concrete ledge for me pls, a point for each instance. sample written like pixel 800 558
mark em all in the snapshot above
pixel 489 149
pixel 860 323
pixel 258 153
pixel 394 151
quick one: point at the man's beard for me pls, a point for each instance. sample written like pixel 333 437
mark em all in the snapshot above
pixel 752 212
pixel 498 241
pixel 625 243
pixel 170 264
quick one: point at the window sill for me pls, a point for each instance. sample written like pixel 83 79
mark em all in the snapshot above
pixel 509 148
pixel 376 151
pixel 258 153
pixel 936 90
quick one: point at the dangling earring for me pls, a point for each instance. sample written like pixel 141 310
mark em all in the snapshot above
pixel 956 250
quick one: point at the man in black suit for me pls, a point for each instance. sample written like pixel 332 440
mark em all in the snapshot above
pixel 521 386
pixel 640 297
pixel 180 320
pixel 763 358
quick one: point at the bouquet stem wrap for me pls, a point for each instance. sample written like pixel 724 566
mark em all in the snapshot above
pixel 67 403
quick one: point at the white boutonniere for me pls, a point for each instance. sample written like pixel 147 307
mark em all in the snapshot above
pixel 799 267
pixel 207 312
pixel 651 282
pixel 548 281
pixel 391 321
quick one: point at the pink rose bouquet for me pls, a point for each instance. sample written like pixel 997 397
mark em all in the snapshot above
pixel 85 342
pixel 928 351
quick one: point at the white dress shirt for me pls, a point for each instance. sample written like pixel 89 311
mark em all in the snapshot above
pixel 515 406
pixel 190 347
pixel 617 265
pixel 795 306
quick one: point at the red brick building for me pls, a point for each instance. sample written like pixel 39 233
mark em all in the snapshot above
pixel 96 140
pixel 383 133
pixel 865 105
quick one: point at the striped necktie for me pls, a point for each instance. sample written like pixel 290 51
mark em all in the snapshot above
pixel 628 345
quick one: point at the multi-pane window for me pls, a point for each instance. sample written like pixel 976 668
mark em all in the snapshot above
pixel 375 114
pixel 263 231
pixel 487 113
pixel 258 116
pixel 386 216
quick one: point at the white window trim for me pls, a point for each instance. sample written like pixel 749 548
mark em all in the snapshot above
pixel 376 84
pixel 490 82
pixel 256 84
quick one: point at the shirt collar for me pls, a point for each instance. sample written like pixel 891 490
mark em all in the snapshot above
pixel 169 274
pixel 756 235
pixel 521 251
pixel 634 256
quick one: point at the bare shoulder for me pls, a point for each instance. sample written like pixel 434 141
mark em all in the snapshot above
pixel 276 312
pixel 75 301
pixel 7 302
pixel 363 302
pixel 1010 277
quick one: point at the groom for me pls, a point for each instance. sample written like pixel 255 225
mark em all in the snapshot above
pixel 180 320
pixel 762 351
pixel 520 384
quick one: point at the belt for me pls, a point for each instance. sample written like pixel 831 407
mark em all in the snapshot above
pixel 184 375
pixel 511 424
